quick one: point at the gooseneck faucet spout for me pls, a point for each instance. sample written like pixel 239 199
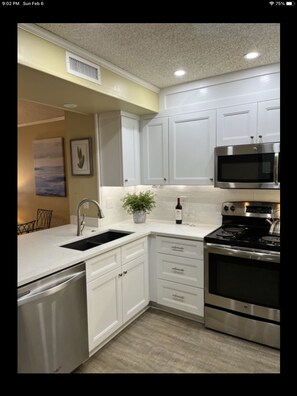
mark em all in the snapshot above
pixel 79 225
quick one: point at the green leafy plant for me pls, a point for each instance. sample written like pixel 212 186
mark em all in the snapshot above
pixel 81 158
pixel 144 201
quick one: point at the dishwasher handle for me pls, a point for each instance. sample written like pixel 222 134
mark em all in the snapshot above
pixel 48 290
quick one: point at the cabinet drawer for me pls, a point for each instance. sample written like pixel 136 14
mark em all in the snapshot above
pixel 180 269
pixel 102 264
pixel 133 250
pixel 180 247
pixel 185 298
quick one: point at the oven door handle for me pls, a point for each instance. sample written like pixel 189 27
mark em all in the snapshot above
pixel 251 254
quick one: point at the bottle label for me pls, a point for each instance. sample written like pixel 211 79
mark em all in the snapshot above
pixel 178 214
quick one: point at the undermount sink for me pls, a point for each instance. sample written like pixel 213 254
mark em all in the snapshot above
pixel 97 240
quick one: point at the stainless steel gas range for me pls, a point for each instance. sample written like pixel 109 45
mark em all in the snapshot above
pixel 242 272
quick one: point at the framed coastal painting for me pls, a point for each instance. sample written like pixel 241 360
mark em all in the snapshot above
pixel 49 168
pixel 81 157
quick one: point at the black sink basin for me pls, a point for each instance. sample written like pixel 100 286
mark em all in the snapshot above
pixel 97 240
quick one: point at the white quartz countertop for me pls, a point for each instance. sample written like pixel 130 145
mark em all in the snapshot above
pixel 40 253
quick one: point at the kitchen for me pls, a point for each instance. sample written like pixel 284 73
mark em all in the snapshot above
pixel 154 156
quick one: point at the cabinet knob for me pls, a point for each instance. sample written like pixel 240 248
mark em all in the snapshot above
pixel 124 272
pixel 120 275
pixel 252 137
pixel 211 178
pixel 260 136
pixel 165 179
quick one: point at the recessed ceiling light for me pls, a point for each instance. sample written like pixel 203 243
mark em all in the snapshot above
pixel 252 55
pixel 179 73
pixel 70 105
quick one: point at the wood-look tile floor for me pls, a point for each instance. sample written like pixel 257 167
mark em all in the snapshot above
pixel 159 342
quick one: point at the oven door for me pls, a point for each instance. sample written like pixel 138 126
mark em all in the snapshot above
pixel 243 280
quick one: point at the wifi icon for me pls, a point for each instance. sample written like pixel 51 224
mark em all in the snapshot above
pixel 271 3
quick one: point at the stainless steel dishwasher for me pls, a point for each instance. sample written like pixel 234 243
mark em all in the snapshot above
pixel 52 322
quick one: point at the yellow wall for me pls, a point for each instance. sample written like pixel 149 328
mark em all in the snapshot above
pixel 28 201
pixel 47 57
pixel 79 187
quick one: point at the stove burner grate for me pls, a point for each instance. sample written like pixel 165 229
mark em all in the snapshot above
pixel 270 239
pixel 230 231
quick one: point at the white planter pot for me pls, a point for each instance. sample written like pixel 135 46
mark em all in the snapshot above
pixel 139 217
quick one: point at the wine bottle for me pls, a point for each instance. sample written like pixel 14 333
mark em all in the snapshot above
pixel 178 212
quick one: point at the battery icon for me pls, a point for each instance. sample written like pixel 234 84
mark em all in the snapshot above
pixel 289 3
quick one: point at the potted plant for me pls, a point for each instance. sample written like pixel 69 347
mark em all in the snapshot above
pixel 139 205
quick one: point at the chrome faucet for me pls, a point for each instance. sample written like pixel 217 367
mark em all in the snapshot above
pixel 80 225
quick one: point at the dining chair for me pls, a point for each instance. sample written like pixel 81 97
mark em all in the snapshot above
pixel 25 228
pixel 43 219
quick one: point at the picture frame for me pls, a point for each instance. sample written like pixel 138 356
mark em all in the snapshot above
pixel 49 167
pixel 81 157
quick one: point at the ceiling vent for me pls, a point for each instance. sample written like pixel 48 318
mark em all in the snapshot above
pixel 82 68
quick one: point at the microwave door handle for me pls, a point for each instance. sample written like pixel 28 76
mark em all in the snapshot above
pixel 276 161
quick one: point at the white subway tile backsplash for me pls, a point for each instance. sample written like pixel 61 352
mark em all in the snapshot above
pixel 201 204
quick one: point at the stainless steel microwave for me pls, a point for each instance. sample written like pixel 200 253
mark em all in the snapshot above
pixel 248 166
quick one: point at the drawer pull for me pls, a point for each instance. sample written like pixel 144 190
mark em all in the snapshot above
pixel 177 248
pixel 177 296
pixel 124 272
pixel 177 269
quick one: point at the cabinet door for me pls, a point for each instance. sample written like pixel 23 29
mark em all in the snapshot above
pixel 154 138
pixel 104 296
pixel 134 286
pixel 269 121
pixel 131 154
pixel 191 147
pixel 237 125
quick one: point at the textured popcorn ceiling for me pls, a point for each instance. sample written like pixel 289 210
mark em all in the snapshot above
pixel 153 51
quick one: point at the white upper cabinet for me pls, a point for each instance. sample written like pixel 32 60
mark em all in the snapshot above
pixel 249 123
pixel 237 125
pixel 154 138
pixel 269 120
pixel 119 149
pixel 191 147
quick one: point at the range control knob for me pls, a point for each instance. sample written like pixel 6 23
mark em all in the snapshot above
pixel 232 208
pixel 226 208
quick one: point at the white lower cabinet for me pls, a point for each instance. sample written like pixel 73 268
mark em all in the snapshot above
pixel 104 296
pixel 134 287
pixel 180 274
pixel 115 297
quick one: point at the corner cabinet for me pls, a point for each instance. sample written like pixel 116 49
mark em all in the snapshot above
pixel 191 147
pixel 117 289
pixel 119 149
pixel 179 149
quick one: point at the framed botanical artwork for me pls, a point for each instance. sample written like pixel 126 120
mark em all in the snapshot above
pixel 50 177
pixel 81 157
